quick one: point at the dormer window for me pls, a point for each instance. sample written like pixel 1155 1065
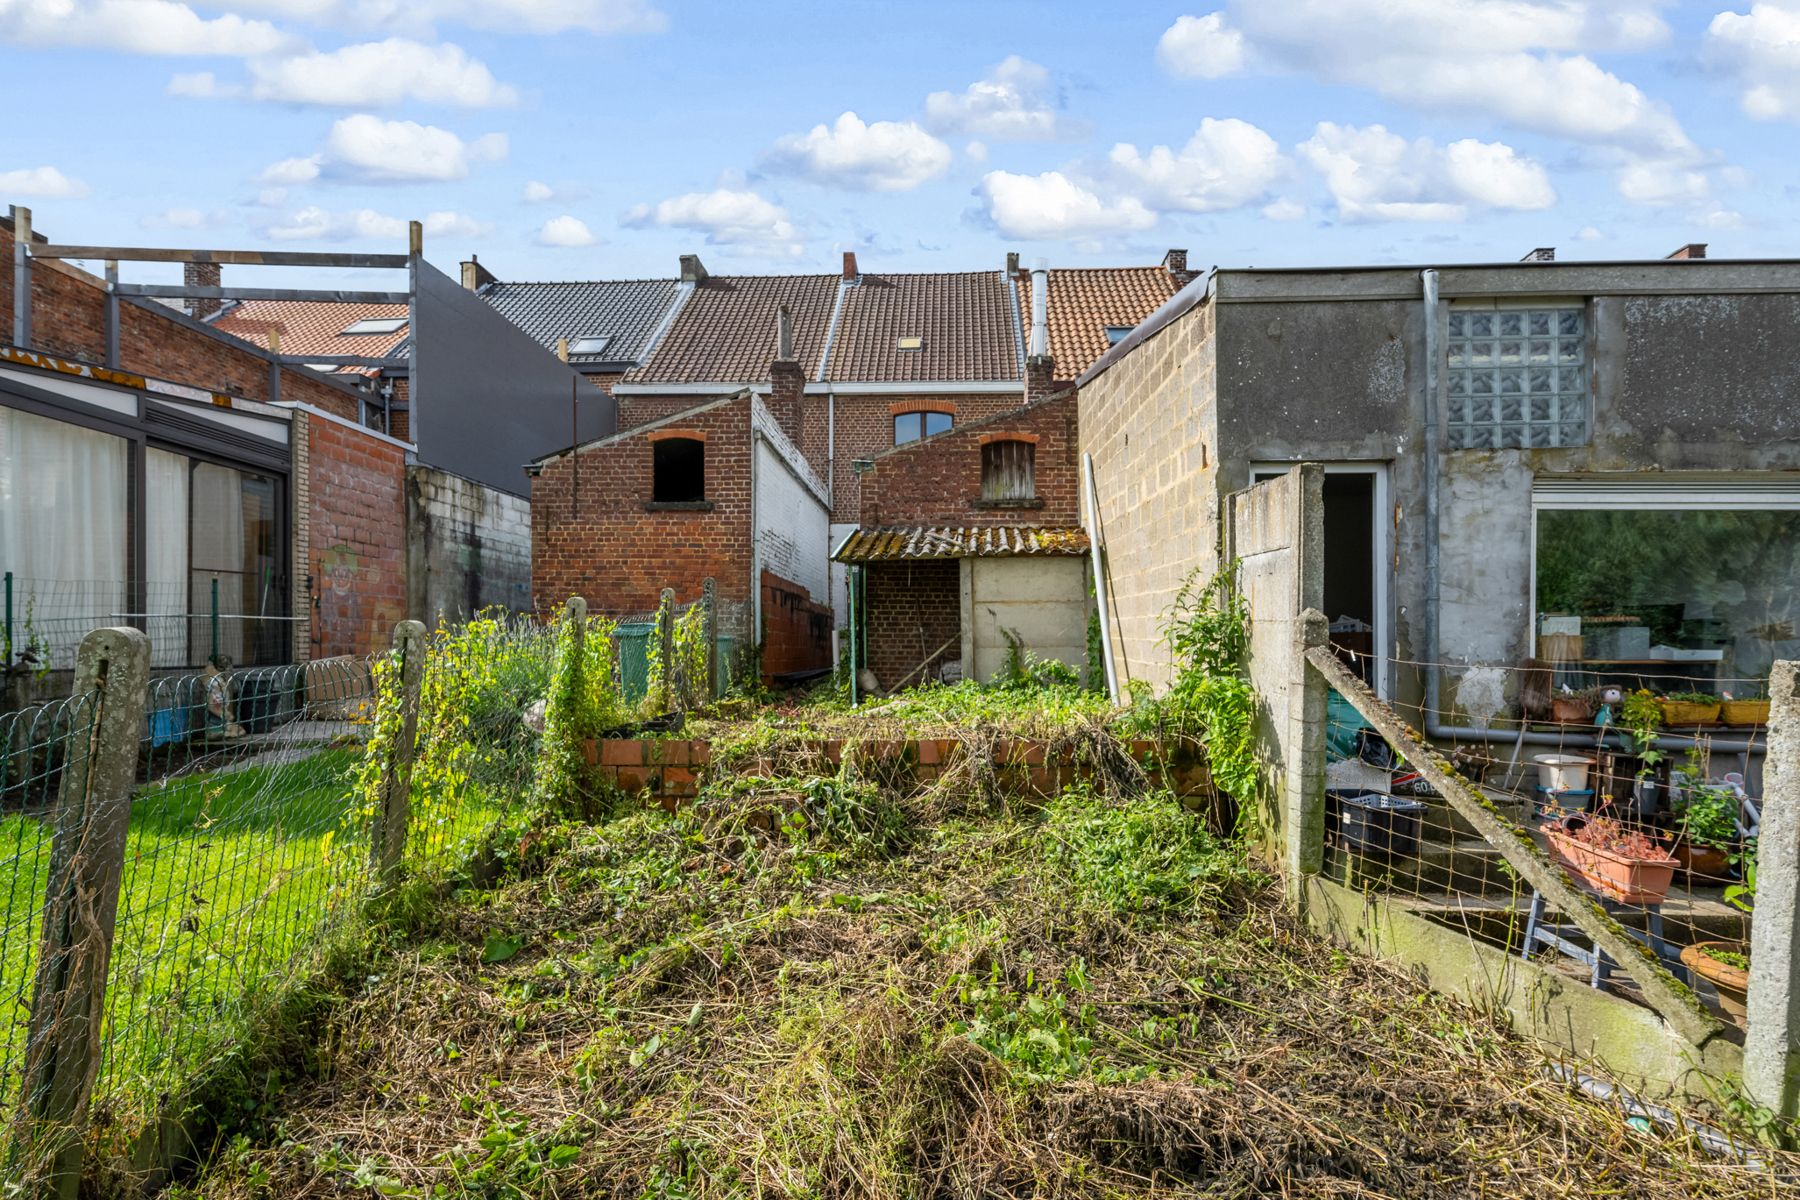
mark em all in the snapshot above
pixel 590 343
pixel 370 325
pixel 1008 471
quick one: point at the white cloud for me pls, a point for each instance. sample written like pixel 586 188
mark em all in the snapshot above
pixel 291 172
pixel 365 75
pixel 1375 175
pixel 314 224
pixel 1663 185
pixel 1201 48
pixel 976 151
pixel 887 156
pixel 1284 209
pixel 506 16
pixel 728 216
pixel 1760 49
pixel 565 231
pixel 47 182
pixel 1589 234
pixel 371 149
pixel 1052 206
pixel 183 218
pixel 1226 164
pixel 273 197
pixel 1522 61
pixel 538 193
pixel 1014 102
pixel 137 27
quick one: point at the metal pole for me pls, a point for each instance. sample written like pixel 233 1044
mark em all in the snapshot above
pixel 1092 496
pixel 215 621
pixel 9 623
pixel 112 313
pixel 21 217
pixel 855 573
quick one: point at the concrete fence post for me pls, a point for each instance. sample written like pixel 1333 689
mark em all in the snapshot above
pixel 710 595
pixel 81 901
pixel 1304 742
pixel 1772 1035
pixel 665 639
pixel 575 614
pixel 388 845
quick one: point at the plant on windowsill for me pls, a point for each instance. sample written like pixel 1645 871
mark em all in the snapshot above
pixel 1706 821
pixel 1726 964
pixel 1641 717
pixel 1619 862
pixel 1689 708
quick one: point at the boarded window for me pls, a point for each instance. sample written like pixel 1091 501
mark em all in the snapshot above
pixel 680 471
pixel 1006 471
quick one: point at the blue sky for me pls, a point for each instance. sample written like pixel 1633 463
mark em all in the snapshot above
pixel 602 138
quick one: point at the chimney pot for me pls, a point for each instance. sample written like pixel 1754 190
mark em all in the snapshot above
pixel 475 276
pixel 1175 263
pixel 1039 345
pixel 1691 250
pixel 1541 254
pixel 1012 263
pixel 692 270
pixel 851 275
pixel 201 274
pixel 784 334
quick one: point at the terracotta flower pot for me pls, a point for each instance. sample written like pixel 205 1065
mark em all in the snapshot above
pixel 1571 711
pixel 1732 983
pixel 1625 879
pixel 1707 864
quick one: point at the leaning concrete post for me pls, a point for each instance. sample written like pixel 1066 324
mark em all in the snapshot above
pixel 388 845
pixel 1772 1036
pixel 575 615
pixel 81 903
pixel 665 638
pixel 1304 744
pixel 710 597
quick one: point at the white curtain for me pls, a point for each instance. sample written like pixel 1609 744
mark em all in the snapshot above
pixel 166 557
pixel 63 529
pixel 219 552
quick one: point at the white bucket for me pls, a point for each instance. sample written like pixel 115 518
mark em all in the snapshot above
pixel 1562 772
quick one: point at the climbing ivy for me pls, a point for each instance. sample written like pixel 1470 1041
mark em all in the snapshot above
pixel 693 687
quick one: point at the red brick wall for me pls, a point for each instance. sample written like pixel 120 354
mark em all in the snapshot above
pixel 68 319
pixel 796 633
pixel 636 411
pixel 938 482
pixel 355 529
pixel 593 537
pixel 913 608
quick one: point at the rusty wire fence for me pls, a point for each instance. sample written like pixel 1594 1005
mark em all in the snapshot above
pixel 1649 808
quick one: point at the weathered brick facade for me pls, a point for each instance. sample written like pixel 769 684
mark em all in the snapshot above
pixel 68 319
pixel 796 631
pixel 350 534
pixel 914 617
pixel 938 481
pixel 596 533
pixel 865 429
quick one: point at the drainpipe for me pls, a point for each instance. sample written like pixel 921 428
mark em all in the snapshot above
pixel 755 539
pixel 830 449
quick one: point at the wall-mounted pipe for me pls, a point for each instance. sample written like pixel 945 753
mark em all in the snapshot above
pixel 1040 309
pixel 1091 496
pixel 1428 653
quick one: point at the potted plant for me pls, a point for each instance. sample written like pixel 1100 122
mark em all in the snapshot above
pixel 1689 708
pixel 1726 965
pixel 1572 708
pixel 1733 711
pixel 1706 816
pixel 1620 863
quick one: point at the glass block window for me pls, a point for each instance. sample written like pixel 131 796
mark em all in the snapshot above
pixel 1517 378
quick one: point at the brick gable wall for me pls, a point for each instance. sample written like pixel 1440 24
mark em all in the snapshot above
pixel 938 482
pixel 68 319
pixel 350 534
pixel 592 536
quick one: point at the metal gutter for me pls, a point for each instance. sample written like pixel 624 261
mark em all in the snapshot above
pixel 1428 288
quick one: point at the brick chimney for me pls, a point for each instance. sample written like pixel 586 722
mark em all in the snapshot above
pixel 475 276
pixel 1040 366
pixel 851 274
pixel 1691 250
pixel 692 269
pixel 787 379
pixel 196 274
pixel 1175 263
pixel 1012 263
pixel 1541 254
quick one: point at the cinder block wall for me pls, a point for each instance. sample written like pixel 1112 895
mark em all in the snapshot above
pixel 1151 424
pixel 468 547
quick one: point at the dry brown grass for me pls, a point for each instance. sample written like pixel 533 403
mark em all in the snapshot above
pixel 928 1002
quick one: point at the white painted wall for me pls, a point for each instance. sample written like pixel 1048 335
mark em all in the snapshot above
pixel 1044 600
pixel 793 518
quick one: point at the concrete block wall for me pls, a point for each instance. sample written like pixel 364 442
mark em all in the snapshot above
pixel 1151 424
pixel 938 481
pixel 468 547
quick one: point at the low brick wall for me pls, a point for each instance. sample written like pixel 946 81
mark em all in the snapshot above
pixel 672 771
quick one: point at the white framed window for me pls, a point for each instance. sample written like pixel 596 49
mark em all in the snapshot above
pixel 1517 377
pixel 590 343
pixel 1685 585
pixel 375 325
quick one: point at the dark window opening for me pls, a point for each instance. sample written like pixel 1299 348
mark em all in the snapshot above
pixel 910 427
pixel 1007 471
pixel 680 471
pixel 1117 333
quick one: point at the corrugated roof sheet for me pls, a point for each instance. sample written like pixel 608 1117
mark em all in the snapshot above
pixel 725 333
pixel 1085 300
pixel 314 327
pixel 966 541
pixel 627 310
pixel 963 320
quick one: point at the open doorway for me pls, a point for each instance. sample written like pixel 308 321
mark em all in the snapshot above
pixel 1356 565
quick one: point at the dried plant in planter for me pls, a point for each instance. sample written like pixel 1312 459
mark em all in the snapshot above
pixel 1617 861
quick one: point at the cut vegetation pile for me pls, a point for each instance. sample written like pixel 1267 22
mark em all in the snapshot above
pixel 822 989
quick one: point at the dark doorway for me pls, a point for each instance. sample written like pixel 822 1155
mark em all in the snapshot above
pixel 1350 567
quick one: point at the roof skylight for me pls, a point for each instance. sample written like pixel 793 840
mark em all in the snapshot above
pixel 913 342
pixel 590 343
pixel 375 325
pixel 1117 333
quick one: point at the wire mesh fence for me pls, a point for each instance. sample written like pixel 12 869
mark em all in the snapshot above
pixel 212 617
pixel 1650 807
pixel 35 748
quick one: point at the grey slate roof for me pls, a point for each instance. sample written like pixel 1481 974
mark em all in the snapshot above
pixel 630 310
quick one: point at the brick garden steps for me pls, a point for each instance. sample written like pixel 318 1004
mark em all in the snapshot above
pixel 672 770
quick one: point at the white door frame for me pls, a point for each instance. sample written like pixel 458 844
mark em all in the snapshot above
pixel 1382 566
